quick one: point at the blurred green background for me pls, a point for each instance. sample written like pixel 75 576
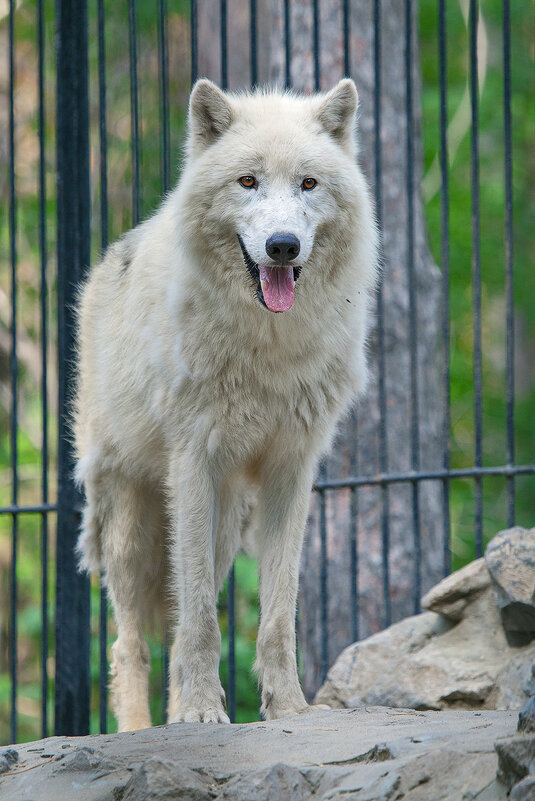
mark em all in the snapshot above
pixel 119 169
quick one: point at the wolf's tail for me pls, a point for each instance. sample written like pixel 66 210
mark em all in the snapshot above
pixel 89 545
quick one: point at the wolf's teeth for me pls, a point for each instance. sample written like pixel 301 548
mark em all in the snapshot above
pixel 263 284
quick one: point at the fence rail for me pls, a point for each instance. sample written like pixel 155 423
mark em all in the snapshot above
pixel 73 126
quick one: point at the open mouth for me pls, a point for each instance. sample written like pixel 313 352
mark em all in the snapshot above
pixel 274 285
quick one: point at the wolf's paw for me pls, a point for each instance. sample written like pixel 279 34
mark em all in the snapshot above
pixel 198 709
pixel 193 714
pixel 274 708
pixel 317 708
pixel 284 712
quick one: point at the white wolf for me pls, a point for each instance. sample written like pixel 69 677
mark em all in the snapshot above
pixel 201 412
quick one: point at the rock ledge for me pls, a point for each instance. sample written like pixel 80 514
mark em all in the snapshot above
pixel 367 754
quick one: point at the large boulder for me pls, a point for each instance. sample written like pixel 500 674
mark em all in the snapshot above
pixel 510 559
pixel 456 655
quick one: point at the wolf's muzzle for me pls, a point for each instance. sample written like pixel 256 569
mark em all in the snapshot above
pixel 283 247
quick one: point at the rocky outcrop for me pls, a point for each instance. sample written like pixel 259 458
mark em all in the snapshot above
pixel 463 652
pixel 510 559
pixel 367 754
pixel 526 719
pixel 516 766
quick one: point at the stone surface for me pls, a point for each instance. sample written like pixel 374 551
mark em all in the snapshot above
pixel 524 790
pixel 452 595
pixel 459 658
pixel 510 558
pixel 526 718
pixel 516 758
pixel 8 758
pixel 369 754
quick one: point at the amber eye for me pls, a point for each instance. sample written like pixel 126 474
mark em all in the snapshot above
pixel 308 183
pixel 248 181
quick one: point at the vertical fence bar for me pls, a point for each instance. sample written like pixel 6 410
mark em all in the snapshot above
pixel 194 41
pixel 103 142
pixel 316 43
pixel 509 262
pixel 44 370
pixel 14 375
pixel 413 309
pixel 353 468
pixel 163 74
pixel 103 660
pixel 287 46
pixel 345 37
pixel 73 209
pixel 134 111
pixel 476 273
pixel 224 41
pixel 103 136
pixel 353 541
pixel 165 674
pixel 445 259
pixel 383 442
pixel 231 690
pixel 254 47
pixel 231 590
pixel 324 589
pixel 163 80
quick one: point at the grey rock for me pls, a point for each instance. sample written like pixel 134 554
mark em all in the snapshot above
pixel 8 757
pixel 369 754
pixel 382 789
pixel 452 595
pixel 526 718
pixel 515 757
pixel 524 790
pixel 281 782
pixel 459 658
pixel 510 558
pixel 516 684
pixel 82 759
pixel 160 779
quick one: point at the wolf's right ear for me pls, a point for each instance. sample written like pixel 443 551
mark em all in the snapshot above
pixel 210 115
pixel 336 112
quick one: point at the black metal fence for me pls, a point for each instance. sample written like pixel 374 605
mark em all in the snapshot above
pixel 62 263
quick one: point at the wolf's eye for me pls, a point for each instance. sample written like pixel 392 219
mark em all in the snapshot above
pixel 308 184
pixel 248 181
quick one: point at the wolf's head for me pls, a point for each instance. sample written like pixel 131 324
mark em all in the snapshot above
pixel 271 186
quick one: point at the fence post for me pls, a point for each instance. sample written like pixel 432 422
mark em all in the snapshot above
pixel 73 220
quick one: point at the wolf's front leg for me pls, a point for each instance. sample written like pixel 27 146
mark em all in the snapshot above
pixel 284 504
pixel 196 692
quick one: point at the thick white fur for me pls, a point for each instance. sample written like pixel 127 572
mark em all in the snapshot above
pixel 201 414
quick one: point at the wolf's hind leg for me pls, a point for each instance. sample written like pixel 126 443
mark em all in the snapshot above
pixel 131 564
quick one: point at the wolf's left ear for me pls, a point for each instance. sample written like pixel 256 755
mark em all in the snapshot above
pixel 336 112
pixel 210 114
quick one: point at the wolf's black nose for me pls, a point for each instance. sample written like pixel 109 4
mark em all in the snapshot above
pixel 282 247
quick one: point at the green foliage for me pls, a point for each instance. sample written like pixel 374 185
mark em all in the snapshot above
pixel 29 438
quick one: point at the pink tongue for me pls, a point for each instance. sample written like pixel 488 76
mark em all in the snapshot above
pixel 277 287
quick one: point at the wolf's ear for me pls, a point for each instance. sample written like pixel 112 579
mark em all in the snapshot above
pixel 210 114
pixel 336 111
